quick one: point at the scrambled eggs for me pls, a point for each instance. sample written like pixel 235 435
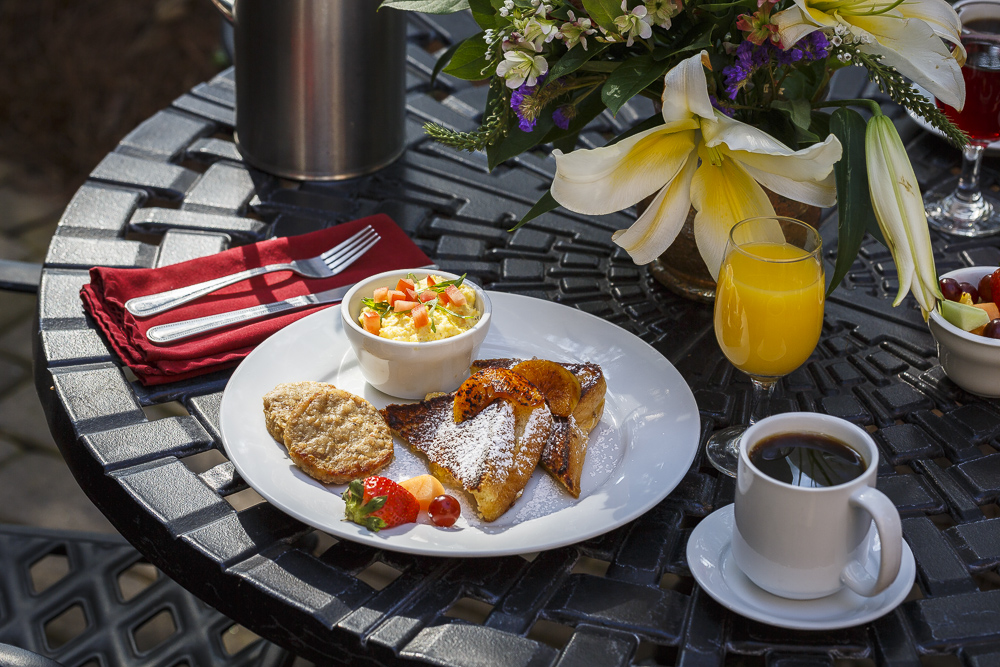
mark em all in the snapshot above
pixel 444 318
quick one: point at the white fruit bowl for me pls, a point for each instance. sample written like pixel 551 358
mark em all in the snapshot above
pixel 970 361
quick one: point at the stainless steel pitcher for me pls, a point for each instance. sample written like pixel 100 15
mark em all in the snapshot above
pixel 320 85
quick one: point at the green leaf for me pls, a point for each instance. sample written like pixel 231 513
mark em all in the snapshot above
pixel 543 205
pixel 573 59
pixel 469 60
pixel 586 110
pixel 517 140
pixel 798 110
pixel 484 13
pixel 854 204
pixel 444 60
pixel 603 12
pixel 567 142
pixel 629 80
pixel 427 6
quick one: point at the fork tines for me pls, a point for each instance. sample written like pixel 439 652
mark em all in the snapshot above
pixel 343 255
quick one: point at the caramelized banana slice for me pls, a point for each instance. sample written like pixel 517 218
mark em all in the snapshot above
pixel 560 387
pixel 489 384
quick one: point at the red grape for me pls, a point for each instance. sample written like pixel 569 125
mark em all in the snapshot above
pixel 986 288
pixel 445 510
pixel 970 290
pixel 950 289
pixel 992 329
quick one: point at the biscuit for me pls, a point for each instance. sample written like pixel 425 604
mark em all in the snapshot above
pixel 335 437
pixel 280 403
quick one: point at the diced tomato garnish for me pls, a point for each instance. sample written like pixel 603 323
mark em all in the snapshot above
pixel 399 306
pixel 381 294
pixel 430 281
pixel 372 322
pixel 395 295
pixel 420 316
pixel 427 295
pixel 405 284
pixel 411 294
pixel 454 295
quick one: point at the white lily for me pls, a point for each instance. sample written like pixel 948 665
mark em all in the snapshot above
pixel 905 33
pixel 734 158
pixel 899 210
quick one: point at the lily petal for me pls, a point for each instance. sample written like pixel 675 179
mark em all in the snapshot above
pixel 793 24
pixel 942 19
pixel 608 179
pixel 911 47
pixel 805 175
pixel 723 195
pixel 888 213
pixel 685 91
pixel 659 224
pixel 758 148
pixel 911 209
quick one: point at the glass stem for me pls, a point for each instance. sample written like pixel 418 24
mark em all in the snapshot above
pixel 760 399
pixel 968 182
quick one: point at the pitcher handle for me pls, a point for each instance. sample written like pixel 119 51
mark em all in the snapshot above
pixel 890 534
pixel 226 7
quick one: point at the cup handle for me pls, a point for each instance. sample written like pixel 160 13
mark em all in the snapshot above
pixel 890 534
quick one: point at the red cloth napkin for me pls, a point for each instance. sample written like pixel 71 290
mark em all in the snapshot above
pixel 109 289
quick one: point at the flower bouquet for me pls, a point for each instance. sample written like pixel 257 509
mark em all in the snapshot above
pixel 741 90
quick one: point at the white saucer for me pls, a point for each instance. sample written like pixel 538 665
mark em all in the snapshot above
pixel 711 562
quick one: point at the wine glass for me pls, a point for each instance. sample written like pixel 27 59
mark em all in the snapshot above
pixel 961 207
pixel 768 312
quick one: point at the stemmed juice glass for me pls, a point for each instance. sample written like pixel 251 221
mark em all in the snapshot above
pixel 963 208
pixel 768 312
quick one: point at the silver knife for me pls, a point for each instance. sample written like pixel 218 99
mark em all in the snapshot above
pixel 162 334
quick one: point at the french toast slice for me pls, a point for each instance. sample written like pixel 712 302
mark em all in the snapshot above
pixel 566 449
pixel 490 454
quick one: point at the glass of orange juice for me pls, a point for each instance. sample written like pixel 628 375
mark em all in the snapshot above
pixel 768 312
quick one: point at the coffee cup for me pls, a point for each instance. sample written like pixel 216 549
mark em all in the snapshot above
pixel 801 531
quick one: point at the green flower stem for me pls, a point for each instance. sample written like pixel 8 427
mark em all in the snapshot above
pixel 871 104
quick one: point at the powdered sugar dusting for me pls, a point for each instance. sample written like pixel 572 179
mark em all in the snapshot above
pixel 471 447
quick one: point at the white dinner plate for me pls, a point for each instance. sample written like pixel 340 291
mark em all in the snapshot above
pixel 637 454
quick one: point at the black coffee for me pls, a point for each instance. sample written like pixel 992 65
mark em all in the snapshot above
pixel 807 459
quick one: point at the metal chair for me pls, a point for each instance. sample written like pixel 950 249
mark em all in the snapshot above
pixel 73 599
pixel 89 600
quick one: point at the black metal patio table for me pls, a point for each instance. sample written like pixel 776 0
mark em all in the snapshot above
pixel 175 188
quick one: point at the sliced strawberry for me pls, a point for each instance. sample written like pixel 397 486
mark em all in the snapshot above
pixel 455 295
pixel 405 284
pixel 400 305
pixel 427 295
pixel 378 502
pixel 372 322
pixel 395 295
pixel 381 294
pixel 421 317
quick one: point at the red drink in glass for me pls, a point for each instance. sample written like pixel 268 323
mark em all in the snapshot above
pixel 980 117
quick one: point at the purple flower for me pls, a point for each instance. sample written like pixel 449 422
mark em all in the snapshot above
pixel 792 55
pixel 816 45
pixel 563 115
pixel 718 105
pixel 520 102
pixel 735 77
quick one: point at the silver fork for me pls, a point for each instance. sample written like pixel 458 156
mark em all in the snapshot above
pixel 330 263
